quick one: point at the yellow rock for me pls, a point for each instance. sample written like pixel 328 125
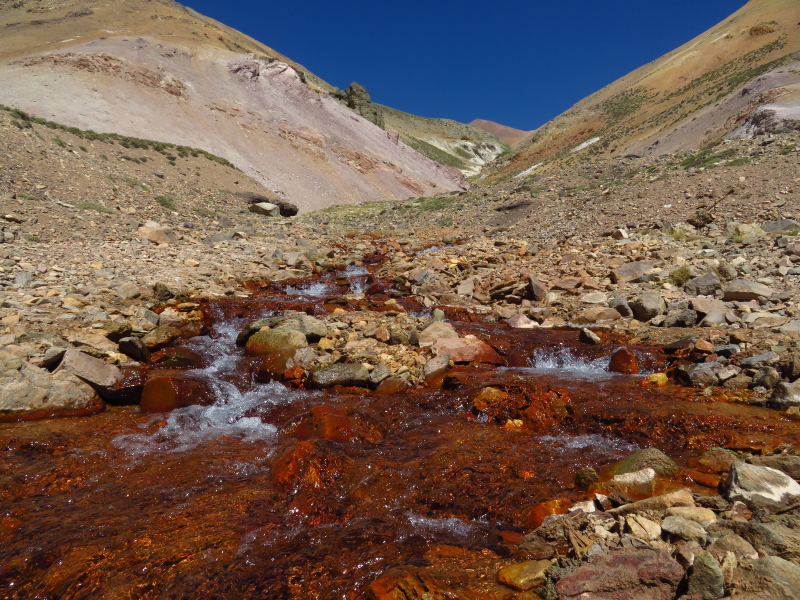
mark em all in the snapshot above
pixel 525 575
pixel 657 379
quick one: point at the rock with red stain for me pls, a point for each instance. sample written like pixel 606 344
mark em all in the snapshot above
pixel 163 394
pixel 307 465
pixel 624 361
pixel 160 337
pixel 177 358
pixel 625 574
pixel 294 375
pixel 537 515
pixel 273 365
pixel 464 350
pixel 392 385
pixel 497 404
pixel 325 422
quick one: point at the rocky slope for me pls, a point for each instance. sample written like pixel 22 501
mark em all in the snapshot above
pixel 507 135
pixel 155 70
pixel 740 77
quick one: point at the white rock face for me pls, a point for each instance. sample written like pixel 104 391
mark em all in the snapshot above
pixel 762 487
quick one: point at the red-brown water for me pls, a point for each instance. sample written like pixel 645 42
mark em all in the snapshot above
pixel 275 492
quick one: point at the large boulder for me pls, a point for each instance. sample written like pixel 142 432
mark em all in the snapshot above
pixel 357 98
pixel 97 373
pixel 652 458
pixel 28 392
pixel 744 290
pixel 768 578
pixel 274 340
pixel 434 331
pixel 464 350
pixel 785 395
pixel 343 374
pixel 648 305
pixel 786 463
pixel 266 209
pixel 632 574
pixel 761 487
pixel 705 285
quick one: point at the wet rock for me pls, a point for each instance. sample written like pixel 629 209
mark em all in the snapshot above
pixel 464 350
pixel 177 358
pixel 135 348
pixel 684 529
pixel 648 306
pixel 785 395
pixel 769 577
pixel 717 460
pixel 392 385
pixel 496 403
pixel 378 375
pixel 520 321
pixel 630 272
pixel 652 458
pixel 97 373
pixel 436 367
pixel 163 394
pixel 323 421
pixel 342 374
pixel 705 285
pixel 705 579
pixel 525 575
pixel 160 337
pixel 761 487
pixel 744 290
pixel 274 340
pixel 587 336
pixel 586 476
pixel 434 331
pixel 28 392
pixel 623 361
pixel 632 574
pixel 307 465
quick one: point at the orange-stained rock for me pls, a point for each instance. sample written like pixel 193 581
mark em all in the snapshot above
pixel 497 404
pixel 305 465
pixel 704 479
pixel 331 424
pixel 624 361
pixel 273 365
pixel 392 385
pixel 557 506
pixel 295 375
pixel 463 350
pixel 160 337
pixel 177 358
pixel 162 394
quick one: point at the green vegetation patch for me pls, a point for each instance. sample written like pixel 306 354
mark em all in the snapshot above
pixel 788 149
pixel 707 158
pixel 434 153
pixel 167 201
pixel 204 212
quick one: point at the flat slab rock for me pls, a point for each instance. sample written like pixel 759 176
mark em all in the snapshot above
pixel 627 574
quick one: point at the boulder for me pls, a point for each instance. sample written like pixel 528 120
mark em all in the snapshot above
pixel 525 575
pixel 620 304
pixel 265 208
pixel 343 374
pixel 652 458
pixel 623 361
pixel 785 395
pixel 587 336
pixel 177 358
pixel 761 487
pixel 434 331
pixel 705 285
pixel 780 225
pixel 705 578
pixel 684 529
pixel 768 578
pixel 28 392
pixel 274 340
pixel 631 573
pixel 163 394
pixel 683 317
pixel 157 234
pixel 648 305
pixel 730 542
pixel 97 373
pixel 786 463
pixel 744 290
pixel 287 209
pixel 466 350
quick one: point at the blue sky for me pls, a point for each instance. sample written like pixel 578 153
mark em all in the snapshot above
pixel 516 63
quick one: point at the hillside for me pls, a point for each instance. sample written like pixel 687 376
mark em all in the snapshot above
pixel 158 70
pixel 448 142
pixel 507 135
pixel 740 77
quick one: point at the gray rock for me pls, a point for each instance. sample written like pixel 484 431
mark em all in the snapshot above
pixel 630 272
pixel 128 291
pixel 630 573
pixel 684 529
pixel 706 580
pixel 770 578
pixel 780 225
pixel 785 395
pixel 265 208
pixel 767 377
pixel 727 350
pixel 648 305
pixel 792 327
pixel 705 285
pixel 620 304
pixel 768 540
pixel 134 348
pixel 311 327
pixel 436 366
pixel 744 290
pixel 685 317
pixel 344 374
pixel 378 374
pixel 785 463
pixel 761 487
pixel 23 279
pixel 97 373
pixel 52 357
pixel 753 361
pixel 28 392
pixel 697 375
pixel 651 458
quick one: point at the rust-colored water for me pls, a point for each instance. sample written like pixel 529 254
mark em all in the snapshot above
pixel 281 493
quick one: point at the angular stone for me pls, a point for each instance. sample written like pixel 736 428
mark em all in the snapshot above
pixel 466 287
pixel 160 337
pixel 704 516
pixel 434 331
pixel 157 234
pixel 520 321
pixel 596 315
pixel 587 336
pixel 741 548
pixel 786 463
pixel 752 361
pixel 706 580
pixel 265 208
pixel 744 290
pixel 640 483
pixel 97 373
pixel 706 284
pixel 620 304
pixel 128 291
pixel 648 305
pixel 684 529
pixel 594 298
pixel 467 350
pixel 630 272
pixel 780 225
pixel 28 392
pixel 525 575
pixel 770 578
pixel 135 349
pixel 707 305
pixel 536 289
pixel 643 528
pixel 436 366
pixel 761 487
pixel 785 395
pixel 343 374
pixel 629 574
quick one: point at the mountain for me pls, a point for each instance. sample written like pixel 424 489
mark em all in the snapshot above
pixel 507 135
pixel 465 147
pixel 741 77
pixel 160 71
